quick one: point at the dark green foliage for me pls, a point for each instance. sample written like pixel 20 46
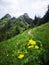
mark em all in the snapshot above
pixel 36 20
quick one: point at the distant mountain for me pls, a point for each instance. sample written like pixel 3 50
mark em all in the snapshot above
pixel 26 18
pixel 26 15
pixel 6 16
pixel 10 27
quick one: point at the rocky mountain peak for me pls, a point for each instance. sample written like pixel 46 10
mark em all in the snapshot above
pixel 7 16
pixel 26 15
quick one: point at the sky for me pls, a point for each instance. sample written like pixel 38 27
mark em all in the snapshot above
pixel 18 7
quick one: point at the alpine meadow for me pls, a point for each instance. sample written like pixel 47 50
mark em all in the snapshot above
pixel 24 40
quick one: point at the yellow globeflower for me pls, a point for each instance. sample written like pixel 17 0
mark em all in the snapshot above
pixel 32 42
pixel 36 47
pixel 30 46
pixel 21 56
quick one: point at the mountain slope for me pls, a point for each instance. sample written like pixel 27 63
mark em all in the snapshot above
pixel 10 49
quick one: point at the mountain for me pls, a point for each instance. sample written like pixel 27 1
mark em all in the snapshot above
pixel 25 15
pixel 4 20
pixel 10 27
pixel 26 18
pixel 6 16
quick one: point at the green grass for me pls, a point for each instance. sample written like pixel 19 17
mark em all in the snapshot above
pixel 9 48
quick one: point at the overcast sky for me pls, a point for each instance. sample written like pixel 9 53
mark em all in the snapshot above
pixel 19 7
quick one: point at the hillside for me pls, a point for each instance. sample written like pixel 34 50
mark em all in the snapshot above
pixel 16 51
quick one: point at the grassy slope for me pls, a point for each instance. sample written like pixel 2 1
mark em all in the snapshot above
pixel 40 33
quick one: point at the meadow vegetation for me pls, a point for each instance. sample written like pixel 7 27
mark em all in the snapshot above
pixel 25 49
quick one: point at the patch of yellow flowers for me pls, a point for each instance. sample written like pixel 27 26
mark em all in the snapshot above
pixel 36 47
pixel 21 56
pixel 31 44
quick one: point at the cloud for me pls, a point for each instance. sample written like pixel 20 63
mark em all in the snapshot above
pixel 19 7
pixel 39 4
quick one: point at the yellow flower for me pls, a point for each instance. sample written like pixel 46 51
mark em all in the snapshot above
pixel 32 42
pixel 30 46
pixel 36 47
pixel 21 56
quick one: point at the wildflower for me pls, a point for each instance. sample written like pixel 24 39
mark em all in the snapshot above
pixel 30 46
pixel 21 56
pixel 36 47
pixel 32 42
pixel 7 54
